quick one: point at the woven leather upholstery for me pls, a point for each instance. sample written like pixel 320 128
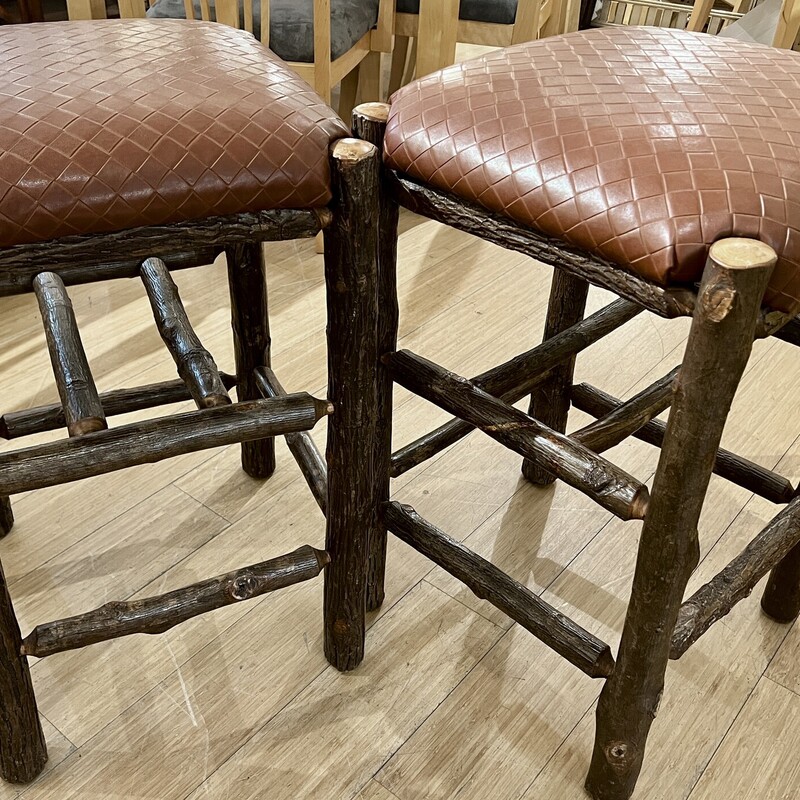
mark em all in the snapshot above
pixel 108 125
pixel 641 145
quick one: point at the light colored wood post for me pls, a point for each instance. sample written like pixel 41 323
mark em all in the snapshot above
pixel 438 31
pixel 788 25
pixel 86 9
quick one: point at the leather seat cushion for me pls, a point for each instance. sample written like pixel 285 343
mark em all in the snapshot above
pixel 114 124
pixel 291 23
pixel 501 12
pixel 640 145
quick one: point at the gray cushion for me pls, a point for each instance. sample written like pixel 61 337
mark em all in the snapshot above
pixel 503 12
pixel 291 24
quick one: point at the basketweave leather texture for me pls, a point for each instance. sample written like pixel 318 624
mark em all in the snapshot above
pixel 114 124
pixel 640 145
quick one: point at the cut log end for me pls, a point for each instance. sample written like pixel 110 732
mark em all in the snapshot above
pixel 352 151
pixel 324 408
pixel 214 401
pixel 737 253
pixel 640 503
pixel 324 216
pixel 604 665
pixel 375 112
pixel 88 425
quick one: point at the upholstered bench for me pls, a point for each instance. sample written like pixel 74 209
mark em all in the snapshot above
pixel 663 166
pixel 130 148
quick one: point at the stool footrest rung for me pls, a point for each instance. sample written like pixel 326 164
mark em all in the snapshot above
pixel 154 440
pixel 195 365
pixel 119 401
pixel 718 597
pixel 488 582
pixel 513 379
pixel 301 445
pixel 82 408
pixel 605 483
pixel 753 477
pixel 624 420
pixel 162 612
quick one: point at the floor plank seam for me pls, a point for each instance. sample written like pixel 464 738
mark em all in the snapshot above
pixel 503 634
pixel 464 605
pixel 109 521
pixel 704 767
pixel 306 686
pixel 766 677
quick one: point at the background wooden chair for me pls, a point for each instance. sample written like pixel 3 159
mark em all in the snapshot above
pixel 427 31
pixel 348 35
pixel 775 22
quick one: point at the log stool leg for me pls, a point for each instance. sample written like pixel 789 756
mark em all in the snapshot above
pixel 250 322
pixel 353 505
pixel 6 516
pixel 23 753
pixel 781 599
pixel 369 123
pixel 716 354
pixel 550 400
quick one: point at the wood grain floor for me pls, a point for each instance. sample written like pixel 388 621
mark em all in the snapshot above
pixel 452 701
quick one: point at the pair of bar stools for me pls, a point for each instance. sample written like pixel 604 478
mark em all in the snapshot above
pixel 618 157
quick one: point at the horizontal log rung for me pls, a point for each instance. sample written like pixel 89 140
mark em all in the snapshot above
pixel 736 469
pixel 301 445
pixel 517 377
pixel 717 598
pixel 195 365
pixel 119 401
pixel 488 582
pixel 605 483
pixel 161 612
pixel 624 420
pixel 154 440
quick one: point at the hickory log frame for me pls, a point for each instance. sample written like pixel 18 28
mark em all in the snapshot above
pixel 719 345
pixel 46 268
pixel 727 313
pixel 550 399
pixel 351 275
pixel 369 124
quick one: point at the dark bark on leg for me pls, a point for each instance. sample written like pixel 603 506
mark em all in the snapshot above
pixel 23 753
pixel 781 598
pixel 6 516
pixel 716 354
pixel 369 123
pixel 550 399
pixel 251 339
pixel 351 278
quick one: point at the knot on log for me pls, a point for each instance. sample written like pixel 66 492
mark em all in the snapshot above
pixel 619 755
pixel 718 299
pixel 244 587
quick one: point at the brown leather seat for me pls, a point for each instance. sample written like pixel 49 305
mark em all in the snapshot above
pixel 113 124
pixel 640 145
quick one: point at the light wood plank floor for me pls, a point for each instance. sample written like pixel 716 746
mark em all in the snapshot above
pixel 452 701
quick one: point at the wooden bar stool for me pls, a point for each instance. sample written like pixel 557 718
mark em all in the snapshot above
pixel 132 148
pixel 663 166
